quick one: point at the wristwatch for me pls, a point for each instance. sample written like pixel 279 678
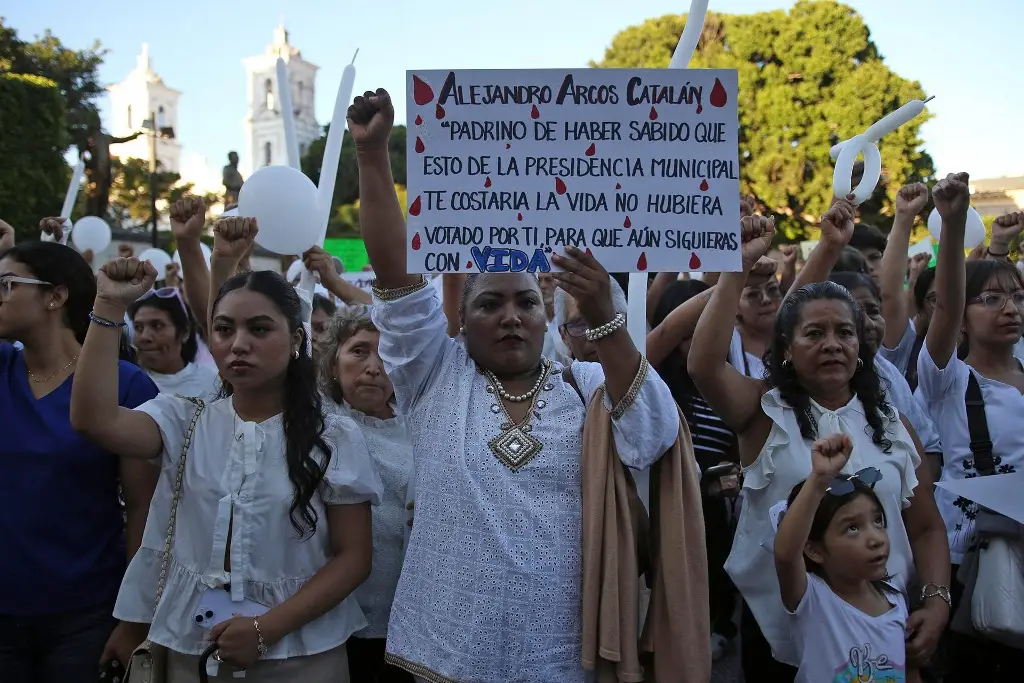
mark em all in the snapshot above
pixel 934 590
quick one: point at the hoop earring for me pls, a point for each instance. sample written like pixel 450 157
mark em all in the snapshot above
pixel 787 364
pixel 295 354
pixel 860 364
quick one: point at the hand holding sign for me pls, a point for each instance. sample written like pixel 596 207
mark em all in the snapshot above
pixel 370 119
pixel 122 281
pixel 586 281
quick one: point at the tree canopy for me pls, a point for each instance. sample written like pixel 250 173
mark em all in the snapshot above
pixel 344 214
pixel 808 78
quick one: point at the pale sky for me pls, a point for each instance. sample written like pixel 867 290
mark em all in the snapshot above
pixel 966 54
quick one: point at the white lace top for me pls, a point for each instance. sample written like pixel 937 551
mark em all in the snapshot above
pixel 391 450
pixel 783 463
pixel 490 589
pixel 236 478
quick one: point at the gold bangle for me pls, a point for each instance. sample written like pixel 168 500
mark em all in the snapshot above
pixel 634 390
pixel 397 292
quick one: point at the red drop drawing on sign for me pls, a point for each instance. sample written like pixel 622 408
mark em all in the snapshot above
pixel 718 95
pixel 700 107
pixel 439 112
pixel 508 145
pixel 653 116
pixel 519 216
pixel 416 242
pixel 469 265
pixel 618 186
pixel 419 120
pixel 627 223
pixel 694 261
pixel 421 92
pixel 419 146
pixel 414 209
pixel 589 253
pixel 704 185
pixel 487 182
pixel 641 263
pixel 560 187
pixel 592 150
pixel 535 113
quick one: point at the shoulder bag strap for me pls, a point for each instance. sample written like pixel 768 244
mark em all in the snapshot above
pixel 169 536
pixel 977 427
pixel 915 352
pixel 569 379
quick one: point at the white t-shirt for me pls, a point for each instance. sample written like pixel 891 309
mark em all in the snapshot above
pixel 194 380
pixel 943 394
pixel 840 644
pixel 907 403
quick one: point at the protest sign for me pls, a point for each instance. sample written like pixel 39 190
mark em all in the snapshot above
pixel 361 279
pixel 639 166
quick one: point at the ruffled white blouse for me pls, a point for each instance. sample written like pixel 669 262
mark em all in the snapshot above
pixel 783 463
pixel 236 479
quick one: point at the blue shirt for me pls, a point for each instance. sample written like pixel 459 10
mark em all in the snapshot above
pixel 61 526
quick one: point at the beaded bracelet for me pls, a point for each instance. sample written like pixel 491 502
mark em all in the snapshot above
pixel 604 330
pixel 104 322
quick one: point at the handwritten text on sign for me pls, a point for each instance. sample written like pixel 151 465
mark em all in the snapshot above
pixel 638 166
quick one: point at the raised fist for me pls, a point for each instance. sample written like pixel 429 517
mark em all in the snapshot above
pixel 756 233
pixel 837 223
pixel 911 199
pixel 52 227
pixel 762 271
pixel 188 216
pixel 1006 227
pixel 233 238
pixel 829 454
pixel 953 197
pixel 122 281
pixel 370 118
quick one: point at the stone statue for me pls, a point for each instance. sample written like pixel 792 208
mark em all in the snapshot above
pixel 232 180
pixel 98 173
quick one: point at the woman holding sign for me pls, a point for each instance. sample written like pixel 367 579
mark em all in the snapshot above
pixel 491 586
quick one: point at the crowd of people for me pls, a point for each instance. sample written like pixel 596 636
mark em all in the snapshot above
pixel 435 483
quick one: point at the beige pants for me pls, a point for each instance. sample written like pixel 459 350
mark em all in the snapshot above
pixel 326 667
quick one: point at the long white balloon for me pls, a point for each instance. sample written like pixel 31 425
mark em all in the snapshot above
pixel 691 34
pixel 887 124
pixel 69 202
pixel 332 150
pixel 284 97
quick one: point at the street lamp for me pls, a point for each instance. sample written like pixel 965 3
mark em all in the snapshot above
pixel 154 132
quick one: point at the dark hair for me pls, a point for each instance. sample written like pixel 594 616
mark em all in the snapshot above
pixel 922 285
pixel 866 384
pixel 181 317
pixel 867 236
pixel 979 272
pixel 322 303
pixel 470 285
pixel 344 326
pixel 852 281
pixel 850 261
pixel 828 508
pixel 61 266
pixel 673 368
pixel 303 407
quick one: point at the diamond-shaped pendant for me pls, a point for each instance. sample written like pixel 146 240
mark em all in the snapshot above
pixel 514 448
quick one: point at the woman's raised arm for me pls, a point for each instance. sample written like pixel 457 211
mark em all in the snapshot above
pixel 952 199
pixel 370 119
pixel 94 406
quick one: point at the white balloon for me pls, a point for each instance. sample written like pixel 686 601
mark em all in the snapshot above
pixel 294 271
pixel 207 252
pixel 842 177
pixel 974 235
pixel 284 203
pixel 159 258
pixel 91 232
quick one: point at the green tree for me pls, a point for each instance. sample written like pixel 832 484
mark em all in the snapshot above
pixel 129 193
pixel 75 72
pixel 345 220
pixel 807 79
pixel 346 187
pixel 33 174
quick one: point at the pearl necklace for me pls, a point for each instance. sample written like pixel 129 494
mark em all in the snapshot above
pixel 544 367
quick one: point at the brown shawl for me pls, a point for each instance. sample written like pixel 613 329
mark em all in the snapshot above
pixel 675 645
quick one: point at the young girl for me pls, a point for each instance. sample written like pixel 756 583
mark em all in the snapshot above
pixel 830 555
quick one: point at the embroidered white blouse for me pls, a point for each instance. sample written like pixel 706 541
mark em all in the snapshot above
pixel 391 450
pixel 784 462
pixel 490 589
pixel 236 478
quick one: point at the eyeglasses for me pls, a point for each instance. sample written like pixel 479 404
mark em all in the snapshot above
pixel 770 292
pixel 995 301
pixel 8 280
pixel 577 329
pixel 843 484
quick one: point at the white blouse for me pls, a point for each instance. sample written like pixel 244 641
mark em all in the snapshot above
pixel 783 463
pixel 391 450
pixel 490 589
pixel 236 478
pixel 196 380
pixel 943 393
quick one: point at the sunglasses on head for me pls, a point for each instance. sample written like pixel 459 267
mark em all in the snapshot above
pixel 165 293
pixel 843 484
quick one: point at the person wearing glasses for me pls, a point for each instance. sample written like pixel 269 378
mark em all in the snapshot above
pixel 165 340
pixel 971 338
pixel 819 379
pixel 573 328
pixel 61 524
